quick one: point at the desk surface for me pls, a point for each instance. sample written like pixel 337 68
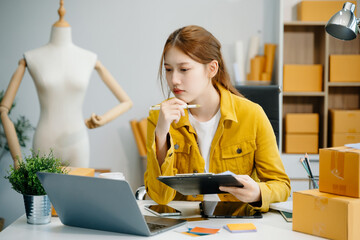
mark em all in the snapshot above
pixel 271 226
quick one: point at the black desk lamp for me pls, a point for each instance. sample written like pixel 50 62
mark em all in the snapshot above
pixel 344 25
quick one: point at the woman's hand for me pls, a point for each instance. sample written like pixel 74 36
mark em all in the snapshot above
pixel 170 111
pixel 94 121
pixel 249 193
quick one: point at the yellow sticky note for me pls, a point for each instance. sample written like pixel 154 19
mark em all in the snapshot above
pixel 241 227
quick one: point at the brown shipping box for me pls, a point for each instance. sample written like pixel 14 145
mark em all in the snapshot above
pixel 326 215
pixel 340 171
pixel 345 121
pixel 302 123
pixel 344 68
pixel 303 78
pixel 301 143
pixel 340 139
pixel 318 10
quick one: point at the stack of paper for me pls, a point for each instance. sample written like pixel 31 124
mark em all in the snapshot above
pixel 240 227
pixel 283 206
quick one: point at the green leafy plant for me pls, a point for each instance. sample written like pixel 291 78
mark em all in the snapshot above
pixel 22 126
pixel 24 179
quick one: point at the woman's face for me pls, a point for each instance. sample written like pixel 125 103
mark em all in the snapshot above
pixel 187 79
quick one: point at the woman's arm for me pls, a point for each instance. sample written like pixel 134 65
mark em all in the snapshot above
pixel 125 102
pixel 5 107
pixel 170 111
pixel 275 184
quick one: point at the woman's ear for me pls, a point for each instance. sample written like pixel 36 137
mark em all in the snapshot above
pixel 213 68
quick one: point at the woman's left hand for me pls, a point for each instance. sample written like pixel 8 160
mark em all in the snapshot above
pixel 249 193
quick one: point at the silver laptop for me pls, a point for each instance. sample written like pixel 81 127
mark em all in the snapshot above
pixel 100 203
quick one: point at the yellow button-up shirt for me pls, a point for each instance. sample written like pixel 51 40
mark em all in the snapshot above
pixel 244 143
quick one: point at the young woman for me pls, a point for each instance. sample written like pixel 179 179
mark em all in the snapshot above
pixel 227 131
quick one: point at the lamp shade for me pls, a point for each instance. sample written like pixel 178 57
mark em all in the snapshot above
pixel 343 25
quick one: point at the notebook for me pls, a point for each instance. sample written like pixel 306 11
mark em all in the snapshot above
pixel 100 203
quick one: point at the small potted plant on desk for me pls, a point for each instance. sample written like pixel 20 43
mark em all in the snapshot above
pixel 24 180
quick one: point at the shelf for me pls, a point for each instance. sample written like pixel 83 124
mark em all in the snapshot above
pixel 304 23
pixel 344 84
pixel 297 156
pixel 304 94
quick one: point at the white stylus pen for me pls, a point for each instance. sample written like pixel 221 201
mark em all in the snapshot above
pixel 157 107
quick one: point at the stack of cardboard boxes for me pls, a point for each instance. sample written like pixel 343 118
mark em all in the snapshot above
pixel 333 210
pixel 301 133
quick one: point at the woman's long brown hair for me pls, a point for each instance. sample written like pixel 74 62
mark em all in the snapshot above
pixel 201 46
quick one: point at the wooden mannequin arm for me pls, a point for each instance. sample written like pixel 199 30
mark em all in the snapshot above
pixel 5 106
pixel 120 94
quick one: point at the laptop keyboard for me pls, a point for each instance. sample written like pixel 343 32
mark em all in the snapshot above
pixel 155 226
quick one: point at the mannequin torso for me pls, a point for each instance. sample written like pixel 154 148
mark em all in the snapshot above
pixel 61 73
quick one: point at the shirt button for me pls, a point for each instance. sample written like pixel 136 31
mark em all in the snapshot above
pixel 170 154
pixel 239 150
pixel 176 146
pixel 195 171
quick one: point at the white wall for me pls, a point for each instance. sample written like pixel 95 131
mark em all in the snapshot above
pixel 128 36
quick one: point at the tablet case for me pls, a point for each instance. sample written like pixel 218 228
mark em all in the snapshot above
pixel 194 184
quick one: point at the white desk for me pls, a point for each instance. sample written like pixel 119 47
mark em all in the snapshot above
pixel 271 226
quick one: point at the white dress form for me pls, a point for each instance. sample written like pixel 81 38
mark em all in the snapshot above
pixel 61 73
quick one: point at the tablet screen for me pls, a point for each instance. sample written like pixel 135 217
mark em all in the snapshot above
pixel 211 209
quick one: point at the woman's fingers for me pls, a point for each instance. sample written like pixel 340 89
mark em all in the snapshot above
pixel 249 193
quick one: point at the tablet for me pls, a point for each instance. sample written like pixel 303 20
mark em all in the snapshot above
pixel 200 183
pixel 211 209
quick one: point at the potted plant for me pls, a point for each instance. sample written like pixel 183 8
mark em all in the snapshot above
pixel 24 180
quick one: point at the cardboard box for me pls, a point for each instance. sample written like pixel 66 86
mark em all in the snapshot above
pixel 301 143
pixel 90 172
pixel 303 78
pixel 340 171
pixel 326 215
pixel 320 11
pixel 345 121
pixel 340 139
pixel 302 123
pixel 344 68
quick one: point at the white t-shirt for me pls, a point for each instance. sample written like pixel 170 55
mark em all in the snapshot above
pixel 205 133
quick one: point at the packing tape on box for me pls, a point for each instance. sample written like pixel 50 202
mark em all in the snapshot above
pixel 339 188
pixel 320 205
pixel 319 229
pixel 352 130
pixel 337 164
